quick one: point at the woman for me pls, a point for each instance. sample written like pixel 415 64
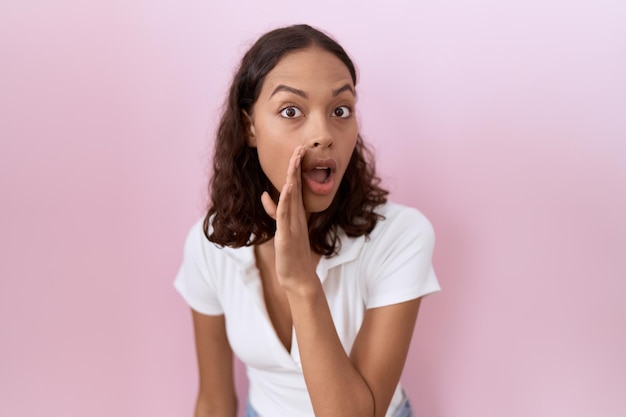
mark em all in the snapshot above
pixel 301 267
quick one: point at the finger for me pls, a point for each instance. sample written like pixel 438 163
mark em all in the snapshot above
pixel 298 172
pixel 282 210
pixel 290 205
pixel 296 177
pixel 268 205
pixel 291 179
pixel 294 163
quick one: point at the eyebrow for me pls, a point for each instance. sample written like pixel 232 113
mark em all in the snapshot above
pixel 346 87
pixel 295 91
pixel 302 94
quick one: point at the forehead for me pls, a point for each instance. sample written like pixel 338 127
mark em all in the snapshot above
pixel 306 68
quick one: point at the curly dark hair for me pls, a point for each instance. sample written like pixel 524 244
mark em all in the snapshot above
pixel 235 216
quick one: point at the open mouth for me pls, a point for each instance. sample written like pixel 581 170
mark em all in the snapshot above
pixel 319 174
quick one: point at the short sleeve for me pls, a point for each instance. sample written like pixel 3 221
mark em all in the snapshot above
pixel 195 278
pixel 400 265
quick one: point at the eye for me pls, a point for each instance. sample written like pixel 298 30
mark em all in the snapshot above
pixel 342 111
pixel 291 112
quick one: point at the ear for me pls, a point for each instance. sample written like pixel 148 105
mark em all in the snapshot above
pixel 249 127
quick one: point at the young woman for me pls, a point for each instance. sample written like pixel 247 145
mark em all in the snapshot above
pixel 301 267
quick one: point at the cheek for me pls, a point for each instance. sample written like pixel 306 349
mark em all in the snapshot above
pixel 348 132
pixel 271 132
pixel 349 140
pixel 274 151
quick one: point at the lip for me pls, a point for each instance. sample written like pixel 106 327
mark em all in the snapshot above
pixel 320 163
pixel 316 187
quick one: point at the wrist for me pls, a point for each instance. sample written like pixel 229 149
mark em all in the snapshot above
pixel 303 289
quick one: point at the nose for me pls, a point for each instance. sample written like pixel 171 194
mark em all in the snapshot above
pixel 319 133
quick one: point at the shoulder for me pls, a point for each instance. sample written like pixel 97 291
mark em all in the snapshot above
pixel 396 260
pixel 400 220
pixel 198 246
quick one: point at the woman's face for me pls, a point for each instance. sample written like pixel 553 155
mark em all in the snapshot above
pixel 306 99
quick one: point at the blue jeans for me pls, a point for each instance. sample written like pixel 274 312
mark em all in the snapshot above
pixel 404 410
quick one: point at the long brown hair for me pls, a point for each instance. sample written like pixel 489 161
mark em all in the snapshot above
pixel 235 215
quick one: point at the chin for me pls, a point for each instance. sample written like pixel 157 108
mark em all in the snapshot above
pixel 317 204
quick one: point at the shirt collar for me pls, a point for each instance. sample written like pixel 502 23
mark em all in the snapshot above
pixel 349 251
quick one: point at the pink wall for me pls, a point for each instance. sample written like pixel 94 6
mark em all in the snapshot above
pixel 504 122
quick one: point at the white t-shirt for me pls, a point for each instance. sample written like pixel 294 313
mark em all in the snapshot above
pixel 393 265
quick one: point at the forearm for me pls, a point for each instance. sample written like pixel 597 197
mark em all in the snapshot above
pixel 335 386
pixel 216 407
pixel 216 391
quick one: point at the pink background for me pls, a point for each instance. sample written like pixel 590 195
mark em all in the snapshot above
pixel 504 122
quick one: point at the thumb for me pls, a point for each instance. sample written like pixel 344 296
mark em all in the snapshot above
pixel 268 205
